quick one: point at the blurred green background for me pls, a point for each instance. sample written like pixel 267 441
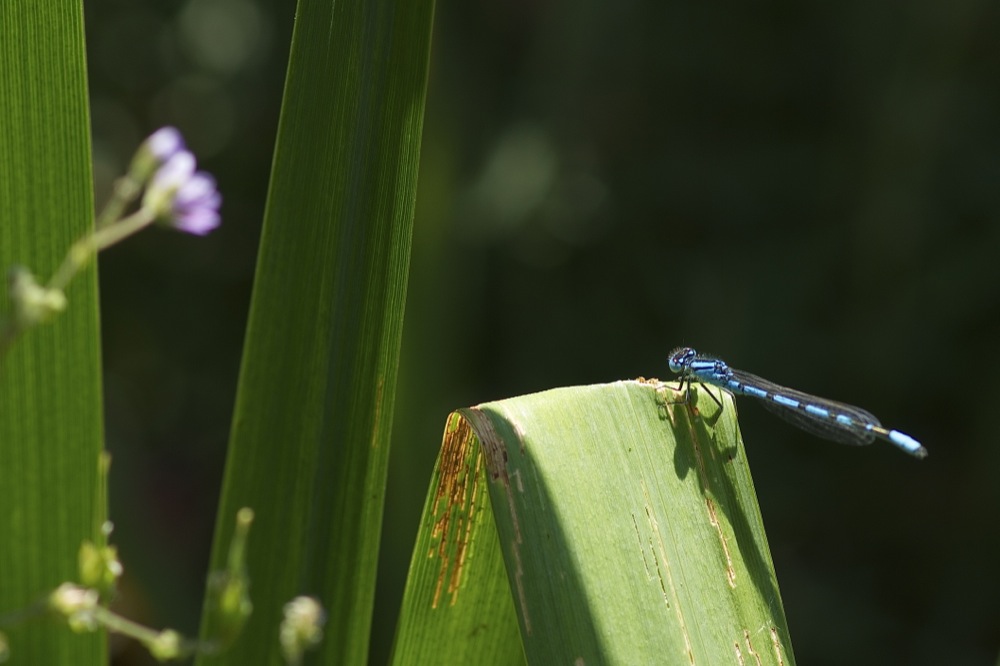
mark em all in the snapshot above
pixel 812 192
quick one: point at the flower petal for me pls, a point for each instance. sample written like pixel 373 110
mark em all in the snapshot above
pixel 175 172
pixel 198 221
pixel 164 143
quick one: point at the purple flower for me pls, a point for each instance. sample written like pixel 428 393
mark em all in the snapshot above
pixel 196 206
pixel 183 198
pixel 164 143
pixel 157 149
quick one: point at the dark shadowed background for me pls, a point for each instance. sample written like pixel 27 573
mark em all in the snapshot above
pixel 812 192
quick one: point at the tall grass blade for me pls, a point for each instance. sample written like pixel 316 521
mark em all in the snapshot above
pixel 51 427
pixel 310 438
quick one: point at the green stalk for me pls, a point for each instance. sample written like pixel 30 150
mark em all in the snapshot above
pixel 310 439
pixel 51 427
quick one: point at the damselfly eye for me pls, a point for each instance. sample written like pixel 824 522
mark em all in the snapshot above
pixel 680 359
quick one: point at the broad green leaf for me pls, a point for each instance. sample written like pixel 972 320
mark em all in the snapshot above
pixel 50 383
pixel 310 438
pixel 628 526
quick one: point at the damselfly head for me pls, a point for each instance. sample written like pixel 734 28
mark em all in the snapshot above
pixel 681 358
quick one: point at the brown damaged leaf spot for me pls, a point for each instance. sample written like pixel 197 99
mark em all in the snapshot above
pixel 495 450
pixel 455 504
pixel 713 518
pixel 753 653
pixel 642 552
pixel 670 595
pixel 776 644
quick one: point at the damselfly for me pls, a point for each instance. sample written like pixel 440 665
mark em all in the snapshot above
pixel 824 418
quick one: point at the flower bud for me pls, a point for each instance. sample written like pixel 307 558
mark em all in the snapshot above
pixel 302 627
pixel 182 198
pixel 156 150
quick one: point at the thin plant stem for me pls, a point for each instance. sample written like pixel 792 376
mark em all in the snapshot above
pixel 103 237
pixel 126 189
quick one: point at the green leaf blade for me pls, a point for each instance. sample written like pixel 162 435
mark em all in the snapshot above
pixel 310 439
pixel 51 426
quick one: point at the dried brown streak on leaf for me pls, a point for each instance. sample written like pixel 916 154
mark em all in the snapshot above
pixel 659 576
pixel 519 482
pixel 642 548
pixel 739 654
pixel 710 505
pixel 668 579
pixel 513 513
pixel 470 520
pixel 496 452
pixel 753 653
pixel 776 644
pixel 453 493
pixel 713 518
pixel 656 563
pixel 496 462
